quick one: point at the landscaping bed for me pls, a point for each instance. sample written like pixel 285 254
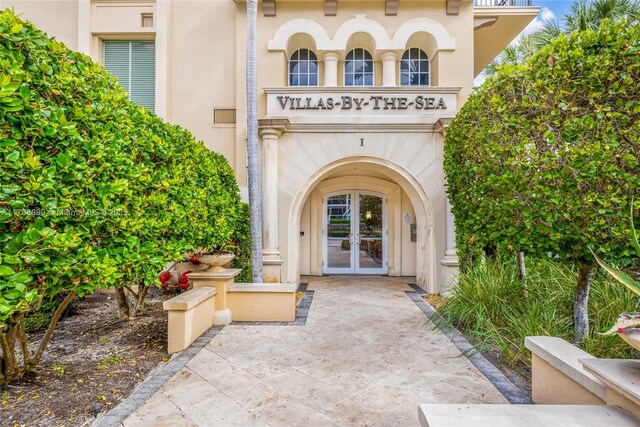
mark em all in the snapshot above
pixel 495 310
pixel 92 363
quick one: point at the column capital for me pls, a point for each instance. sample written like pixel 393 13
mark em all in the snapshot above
pixel 272 127
pixel 390 55
pixel 441 126
pixel 330 56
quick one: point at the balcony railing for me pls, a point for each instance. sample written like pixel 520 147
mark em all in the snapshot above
pixel 518 3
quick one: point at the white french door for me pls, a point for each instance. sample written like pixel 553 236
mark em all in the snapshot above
pixel 354 233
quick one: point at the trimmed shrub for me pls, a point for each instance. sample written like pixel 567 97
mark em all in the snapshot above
pixel 543 158
pixel 95 190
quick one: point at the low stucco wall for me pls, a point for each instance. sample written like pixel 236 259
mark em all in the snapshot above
pixel 551 386
pixel 558 377
pixel 190 315
pixel 262 302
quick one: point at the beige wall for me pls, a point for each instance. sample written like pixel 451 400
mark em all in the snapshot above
pixel 408 257
pixel 203 72
pixel 58 18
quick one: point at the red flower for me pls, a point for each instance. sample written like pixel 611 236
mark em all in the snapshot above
pixel 164 279
pixel 184 281
pixel 621 330
pixel 194 260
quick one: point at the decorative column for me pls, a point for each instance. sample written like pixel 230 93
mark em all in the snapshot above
pixel 270 131
pixel 330 69
pixel 450 264
pixel 389 60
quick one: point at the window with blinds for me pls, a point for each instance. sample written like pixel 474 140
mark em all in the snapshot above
pixel 134 64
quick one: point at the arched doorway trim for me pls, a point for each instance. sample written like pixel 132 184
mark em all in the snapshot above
pixel 425 252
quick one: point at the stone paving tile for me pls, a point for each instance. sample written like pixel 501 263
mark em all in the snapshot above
pixel 367 355
pixel 159 411
pixel 245 389
pixel 209 365
pixel 283 412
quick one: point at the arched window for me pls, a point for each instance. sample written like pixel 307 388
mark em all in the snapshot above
pixel 358 68
pixel 414 68
pixel 303 68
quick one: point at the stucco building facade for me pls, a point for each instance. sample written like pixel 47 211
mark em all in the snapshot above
pixel 354 98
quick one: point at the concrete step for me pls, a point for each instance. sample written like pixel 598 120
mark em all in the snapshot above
pixel 441 415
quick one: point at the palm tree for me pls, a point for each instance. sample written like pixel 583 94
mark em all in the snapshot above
pixel 583 15
pixel 255 203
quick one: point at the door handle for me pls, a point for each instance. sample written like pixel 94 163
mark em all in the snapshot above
pixel 359 238
pixel 351 239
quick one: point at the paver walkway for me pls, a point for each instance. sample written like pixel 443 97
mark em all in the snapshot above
pixel 366 356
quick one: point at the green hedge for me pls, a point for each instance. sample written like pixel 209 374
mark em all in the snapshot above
pixel 543 157
pixel 95 190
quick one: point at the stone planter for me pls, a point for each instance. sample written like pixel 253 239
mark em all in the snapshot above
pixel 631 337
pixel 628 328
pixel 216 262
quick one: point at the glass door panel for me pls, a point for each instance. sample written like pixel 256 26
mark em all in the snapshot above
pixel 338 258
pixel 370 235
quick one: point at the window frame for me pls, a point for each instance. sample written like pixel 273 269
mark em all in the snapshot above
pixel 312 57
pixel 130 42
pixel 419 60
pixel 373 68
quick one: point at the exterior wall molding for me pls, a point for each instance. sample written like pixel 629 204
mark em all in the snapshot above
pixel 269 7
pixel 484 21
pixel 441 126
pixel 273 125
pixel 493 11
pixel 453 7
pixel 391 7
pixel 330 7
pixel 361 24
pixel 286 90
pixel 423 25
pixel 360 127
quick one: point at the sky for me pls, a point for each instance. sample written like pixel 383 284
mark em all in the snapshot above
pixel 549 10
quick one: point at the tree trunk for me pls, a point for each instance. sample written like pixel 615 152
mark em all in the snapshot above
pixel 580 314
pixel 522 270
pixel 9 367
pixel 123 303
pixel 255 203
pixel 140 297
pixel 52 326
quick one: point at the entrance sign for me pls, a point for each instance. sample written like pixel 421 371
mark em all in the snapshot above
pixel 349 105
pixel 375 102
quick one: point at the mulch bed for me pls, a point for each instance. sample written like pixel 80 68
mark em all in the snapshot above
pixel 92 363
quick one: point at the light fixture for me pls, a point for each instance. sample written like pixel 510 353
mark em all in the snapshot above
pixel 367 215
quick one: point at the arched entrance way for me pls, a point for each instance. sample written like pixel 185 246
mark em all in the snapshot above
pixel 356 176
